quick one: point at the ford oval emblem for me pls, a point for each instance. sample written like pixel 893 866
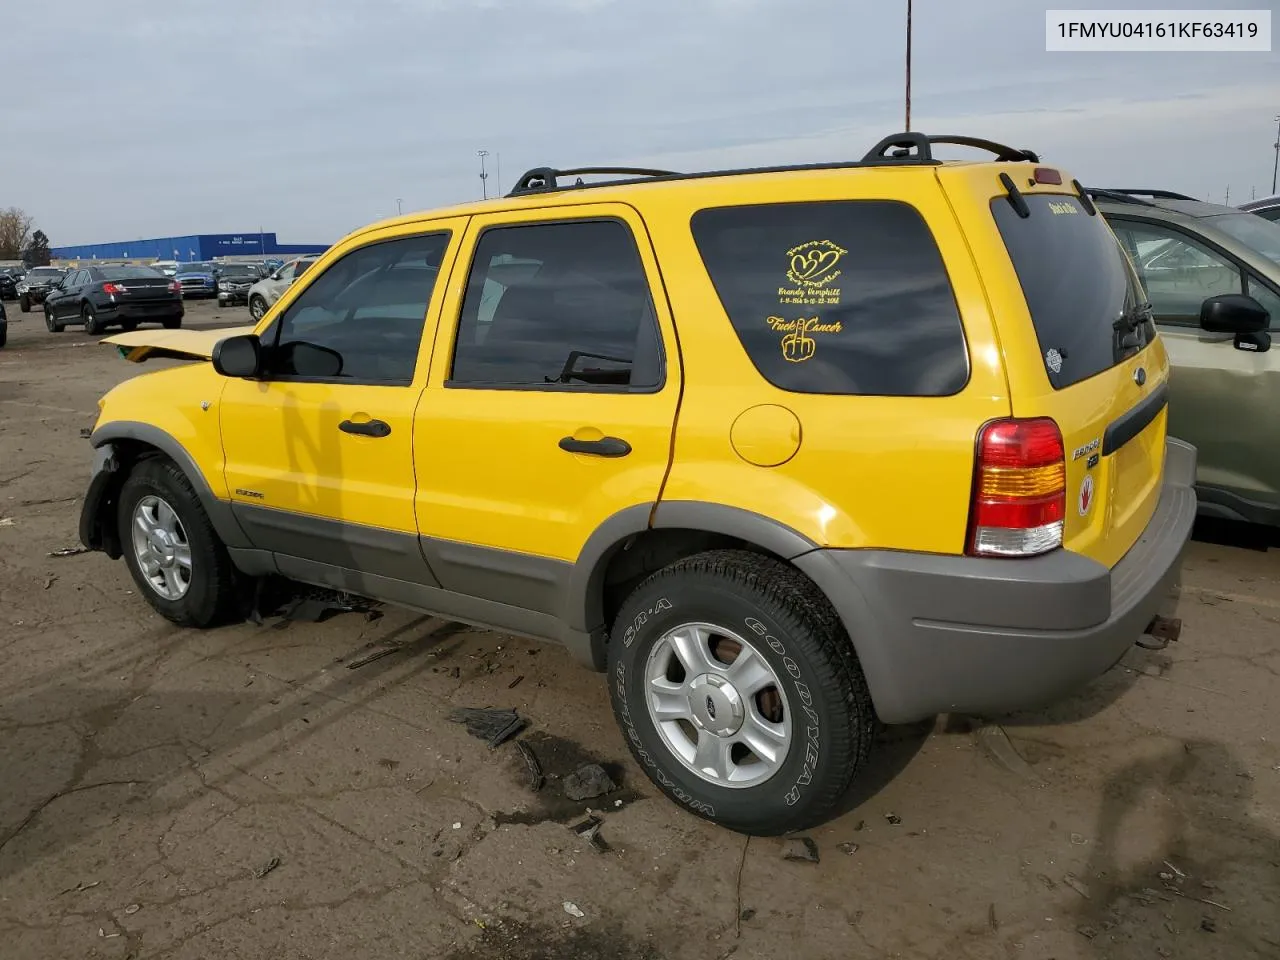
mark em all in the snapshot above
pixel 711 708
pixel 1140 376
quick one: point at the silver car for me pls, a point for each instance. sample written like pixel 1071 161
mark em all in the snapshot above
pixel 268 290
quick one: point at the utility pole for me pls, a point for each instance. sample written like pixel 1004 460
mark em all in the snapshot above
pixel 1276 166
pixel 908 123
pixel 1227 199
pixel 484 177
pixel 399 206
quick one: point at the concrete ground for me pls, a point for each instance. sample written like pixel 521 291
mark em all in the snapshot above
pixel 279 791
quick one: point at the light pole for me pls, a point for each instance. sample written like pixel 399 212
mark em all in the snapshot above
pixel 908 124
pixel 399 206
pixel 484 177
pixel 1276 166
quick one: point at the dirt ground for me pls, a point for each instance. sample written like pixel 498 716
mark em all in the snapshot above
pixel 277 790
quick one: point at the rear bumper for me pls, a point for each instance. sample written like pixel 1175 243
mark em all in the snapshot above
pixel 946 634
pixel 146 310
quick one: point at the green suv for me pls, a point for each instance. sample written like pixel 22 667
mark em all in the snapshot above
pixel 1212 274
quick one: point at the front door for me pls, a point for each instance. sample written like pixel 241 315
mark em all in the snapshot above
pixel 63 300
pixel 551 402
pixel 1221 397
pixel 319 452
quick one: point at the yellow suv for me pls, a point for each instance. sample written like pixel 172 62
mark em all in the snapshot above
pixel 783 451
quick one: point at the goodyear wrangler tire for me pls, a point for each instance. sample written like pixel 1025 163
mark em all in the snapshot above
pixel 739 693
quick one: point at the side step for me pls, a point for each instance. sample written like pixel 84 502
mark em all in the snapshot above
pixel 1160 632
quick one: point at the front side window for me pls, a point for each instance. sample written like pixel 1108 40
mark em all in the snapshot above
pixel 1179 273
pixel 1269 299
pixel 556 305
pixel 837 297
pixel 361 320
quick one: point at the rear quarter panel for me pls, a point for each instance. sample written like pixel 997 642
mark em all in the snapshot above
pixel 891 472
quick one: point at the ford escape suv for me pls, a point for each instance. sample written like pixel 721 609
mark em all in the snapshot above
pixel 783 452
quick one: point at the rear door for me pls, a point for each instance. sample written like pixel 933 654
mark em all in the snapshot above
pixel 1079 348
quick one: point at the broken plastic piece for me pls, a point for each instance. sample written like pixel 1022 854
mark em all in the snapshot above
pixel 489 724
pixel 536 778
pixel 587 782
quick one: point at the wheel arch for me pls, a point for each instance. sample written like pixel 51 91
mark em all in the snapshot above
pixel 644 538
pixel 125 443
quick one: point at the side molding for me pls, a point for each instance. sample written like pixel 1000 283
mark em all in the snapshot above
pixel 219 511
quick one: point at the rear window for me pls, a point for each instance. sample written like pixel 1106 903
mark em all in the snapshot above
pixel 1077 283
pixel 129 273
pixel 839 297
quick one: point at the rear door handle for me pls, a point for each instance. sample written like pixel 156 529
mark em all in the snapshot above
pixel 604 447
pixel 369 428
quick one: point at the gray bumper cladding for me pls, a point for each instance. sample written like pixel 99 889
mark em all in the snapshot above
pixel 950 634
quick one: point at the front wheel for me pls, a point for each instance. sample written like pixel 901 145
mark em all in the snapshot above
pixel 53 325
pixel 739 693
pixel 257 308
pixel 172 550
pixel 24 303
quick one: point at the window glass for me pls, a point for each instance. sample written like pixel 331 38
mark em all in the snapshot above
pixel 1268 298
pixel 840 297
pixel 287 271
pixel 1251 230
pixel 1077 283
pixel 560 303
pixel 362 318
pixel 129 273
pixel 1179 273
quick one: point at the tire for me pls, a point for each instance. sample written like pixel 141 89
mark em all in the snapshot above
pixel 815 685
pixel 89 317
pixel 172 323
pixel 53 325
pixel 4 334
pixel 213 589
pixel 24 303
pixel 128 325
pixel 257 307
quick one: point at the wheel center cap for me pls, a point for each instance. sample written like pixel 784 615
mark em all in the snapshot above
pixel 716 705
pixel 161 547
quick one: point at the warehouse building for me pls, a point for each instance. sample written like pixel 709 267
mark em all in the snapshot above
pixel 203 246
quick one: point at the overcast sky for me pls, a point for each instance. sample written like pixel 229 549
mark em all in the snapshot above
pixel 134 119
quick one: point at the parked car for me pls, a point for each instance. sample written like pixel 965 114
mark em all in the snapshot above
pixel 268 290
pixel 35 286
pixel 1212 274
pixel 197 280
pixel 9 279
pixel 101 297
pixel 167 268
pixel 234 281
pixel 782 452
pixel 4 325
pixel 1268 207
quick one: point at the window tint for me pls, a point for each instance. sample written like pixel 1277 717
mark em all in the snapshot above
pixel 843 297
pixel 1077 284
pixel 362 318
pixel 1268 298
pixel 128 273
pixel 561 303
pixel 1179 273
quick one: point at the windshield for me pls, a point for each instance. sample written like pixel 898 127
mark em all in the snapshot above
pixel 193 268
pixel 239 270
pixel 1252 230
pixel 128 273
pixel 45 273
pixel 1077 282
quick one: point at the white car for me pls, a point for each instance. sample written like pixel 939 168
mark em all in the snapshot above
pixel 167 267
pixel 268 290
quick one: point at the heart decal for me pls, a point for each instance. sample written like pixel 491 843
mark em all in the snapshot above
pixel 813 264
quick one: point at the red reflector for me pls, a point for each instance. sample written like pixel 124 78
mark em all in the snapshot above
pixel 112 288
pixel 1048 175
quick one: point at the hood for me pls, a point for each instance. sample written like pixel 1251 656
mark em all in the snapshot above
pixel 140 345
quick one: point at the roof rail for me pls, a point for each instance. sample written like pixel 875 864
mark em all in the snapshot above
pixel 1116 196
pixel 1153 194
pixel 895 150
pixel 542 179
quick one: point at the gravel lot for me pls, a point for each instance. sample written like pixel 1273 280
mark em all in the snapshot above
pixel 258 791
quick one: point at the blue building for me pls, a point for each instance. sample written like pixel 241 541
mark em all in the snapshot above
pixel 202 246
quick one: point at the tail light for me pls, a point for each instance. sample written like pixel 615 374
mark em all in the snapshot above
pixel 112 288
pixel 175 286
pixel 1019 489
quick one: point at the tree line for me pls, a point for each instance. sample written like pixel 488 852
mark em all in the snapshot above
pixel 18 241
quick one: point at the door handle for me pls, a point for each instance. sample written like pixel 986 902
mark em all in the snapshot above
pixel 369 428
pixel 604 447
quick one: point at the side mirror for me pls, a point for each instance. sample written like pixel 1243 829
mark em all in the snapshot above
pixel 239 357
pixel 1234 313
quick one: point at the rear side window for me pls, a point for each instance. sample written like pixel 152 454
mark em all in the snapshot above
pixel 840 297
pixel 1077 284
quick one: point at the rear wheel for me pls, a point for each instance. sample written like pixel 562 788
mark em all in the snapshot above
pixel 257 307
pixel 128 325
pixel 4 334
pixel 24 303
pixel 53 325
pixel 171 549
pixel 89 318
pixel 739 693
pixel 172 323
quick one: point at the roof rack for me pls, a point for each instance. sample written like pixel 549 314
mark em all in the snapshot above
pixel 900 149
